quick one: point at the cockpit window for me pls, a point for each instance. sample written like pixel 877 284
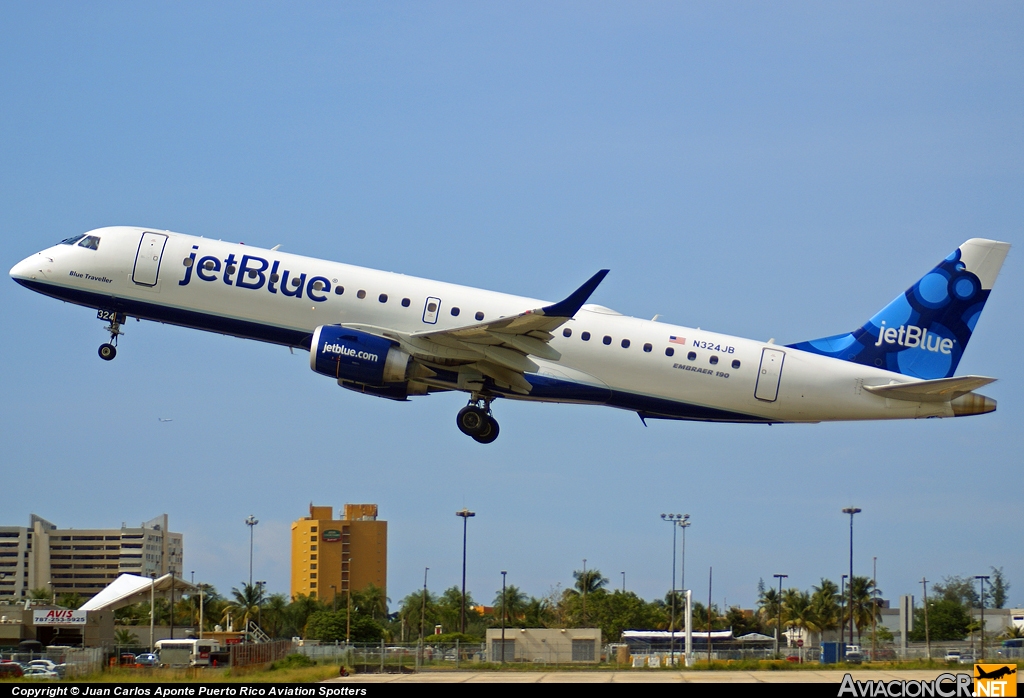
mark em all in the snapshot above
pixel 72 241
pixel 90 242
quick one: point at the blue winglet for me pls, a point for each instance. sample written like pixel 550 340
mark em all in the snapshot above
pixel 571 305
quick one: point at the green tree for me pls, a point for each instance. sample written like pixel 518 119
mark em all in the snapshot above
pixel 958 589
pixel 948 619
pixel 40 594
pixel 300 609
pixel 589 581
pixel 513 603
pixel 538 613
pixel 70 600
pixel 275 615
pixel 825 602
pixel 125 638
pixel 862 606
pixel 800 613
pixel 371 601
pixel 768 607
pixel 999 588
pixel 409 613
pixel 244 605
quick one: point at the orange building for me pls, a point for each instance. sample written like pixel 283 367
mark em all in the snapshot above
pixel 332 556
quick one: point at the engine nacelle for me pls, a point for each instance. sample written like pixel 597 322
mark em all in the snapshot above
pixel 358 357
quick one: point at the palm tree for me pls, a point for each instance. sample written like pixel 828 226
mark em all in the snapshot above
pixel 370 601
pixel 589 581
pixel 768 608
pixel 244 605
pixel 275 614
pixel 825 603
pixel 125 638
pixel 799 611
pixel 514 603
pixel 863 607
pixel 301 608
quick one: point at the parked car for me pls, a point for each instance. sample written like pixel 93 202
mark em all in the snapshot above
pixel 952 656
pixel 45 664
pixel 38 672
pixel 10 670
pixel 147 659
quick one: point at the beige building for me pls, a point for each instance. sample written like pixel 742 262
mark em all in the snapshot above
pixel 332 556
pixel 83 561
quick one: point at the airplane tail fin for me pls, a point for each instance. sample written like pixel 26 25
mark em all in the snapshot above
pixel 924 331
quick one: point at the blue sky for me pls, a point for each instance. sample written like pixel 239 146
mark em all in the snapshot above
pixel 764 170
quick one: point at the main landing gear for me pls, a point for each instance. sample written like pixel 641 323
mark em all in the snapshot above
pixel 475 420
pixel 109 351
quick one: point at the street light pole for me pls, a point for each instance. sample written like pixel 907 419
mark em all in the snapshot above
pixel 465 514
pixel 851 511
pixel 677 521
pixel 583 581
pixel 251 522
pixel 927 631
pixel 982 578
pixel 503 609
pixel 842 612
pixel 423 615
pixel 778 628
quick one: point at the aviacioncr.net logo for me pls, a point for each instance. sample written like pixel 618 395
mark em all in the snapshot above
pixel 943 686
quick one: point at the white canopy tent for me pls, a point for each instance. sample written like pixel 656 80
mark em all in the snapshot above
pixel 129 588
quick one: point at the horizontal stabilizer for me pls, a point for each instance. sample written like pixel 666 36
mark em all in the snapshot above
pixel 939 390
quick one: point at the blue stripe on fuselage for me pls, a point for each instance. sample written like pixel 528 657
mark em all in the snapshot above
pixel 545 388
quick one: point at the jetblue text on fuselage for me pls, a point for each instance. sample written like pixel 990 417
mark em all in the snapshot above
pixel 251 272
pixel 911 336
pixel 342 350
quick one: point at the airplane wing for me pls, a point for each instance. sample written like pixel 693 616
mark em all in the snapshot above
pixel 499 349
pixel 938 390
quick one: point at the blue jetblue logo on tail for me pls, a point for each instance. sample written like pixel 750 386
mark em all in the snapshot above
pixel 924 331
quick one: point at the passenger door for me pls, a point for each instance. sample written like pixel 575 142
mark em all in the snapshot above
pixel 147 259
pixel 769 374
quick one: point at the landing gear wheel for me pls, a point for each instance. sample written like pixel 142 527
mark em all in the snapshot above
pixel 489 433
pixel 472 420
pixel 107 351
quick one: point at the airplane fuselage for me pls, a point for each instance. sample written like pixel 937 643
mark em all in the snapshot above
pixel 656 369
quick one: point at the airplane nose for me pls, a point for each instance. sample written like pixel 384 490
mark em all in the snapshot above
pixel 27 268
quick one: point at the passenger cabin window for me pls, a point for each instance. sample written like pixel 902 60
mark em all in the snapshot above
pixel 360 294
pixel 405 302
pixel 607 339
pixel 383 298
pixel 735 363
pixel 625 344
pixel 479 316
pixel 455 311
pixel 317 285
pixel 295 282
pixel 188 261
pixel 648 347
pixel 338 290
pixel 567 332
pixel 692 355
pixel 669 351
pixel 713 360
pixel 91 242
pixel 585 336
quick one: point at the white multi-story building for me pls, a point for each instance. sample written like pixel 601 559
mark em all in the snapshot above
pixel 82 561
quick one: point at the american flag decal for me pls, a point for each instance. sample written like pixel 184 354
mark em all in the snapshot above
pixel 676 340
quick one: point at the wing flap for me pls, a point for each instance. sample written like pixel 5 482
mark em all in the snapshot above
pixel 938 390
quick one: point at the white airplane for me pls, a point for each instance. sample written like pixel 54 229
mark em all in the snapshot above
pixel 395 336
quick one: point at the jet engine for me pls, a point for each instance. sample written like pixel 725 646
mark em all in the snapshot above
pixel 351 356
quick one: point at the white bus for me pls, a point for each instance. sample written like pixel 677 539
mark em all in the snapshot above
pixel 186 652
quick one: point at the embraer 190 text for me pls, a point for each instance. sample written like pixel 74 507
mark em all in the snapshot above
pixel 395 336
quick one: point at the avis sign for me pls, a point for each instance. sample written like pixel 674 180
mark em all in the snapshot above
pixel 58 616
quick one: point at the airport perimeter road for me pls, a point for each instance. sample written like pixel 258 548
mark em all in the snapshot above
pixel 784 677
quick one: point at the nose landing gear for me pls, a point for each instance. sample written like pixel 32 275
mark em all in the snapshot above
pixel 475 420
pixel 108 351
